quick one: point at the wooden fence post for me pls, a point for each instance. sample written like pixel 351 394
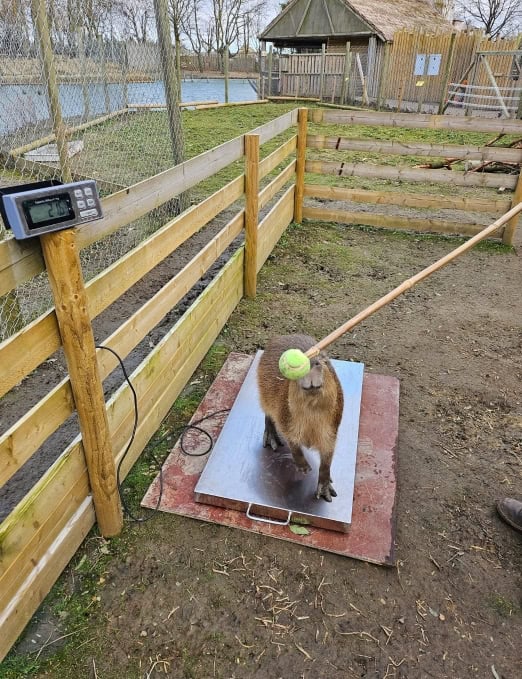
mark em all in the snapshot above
pixel 70 299
pixel 225 69
pixel 322 77
pixel 383 77
pixel 300 164
pixel 251 212
pixel 39 12
pixel 447 73
pixel 346 77
pixel 509 229
pixel 269 72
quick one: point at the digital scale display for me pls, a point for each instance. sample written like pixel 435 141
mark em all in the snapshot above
pixel 44 211
pixel 42 207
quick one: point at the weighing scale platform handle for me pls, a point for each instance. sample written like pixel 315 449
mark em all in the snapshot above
pixel 265 520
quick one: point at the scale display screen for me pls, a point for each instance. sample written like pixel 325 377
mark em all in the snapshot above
pixel 49 210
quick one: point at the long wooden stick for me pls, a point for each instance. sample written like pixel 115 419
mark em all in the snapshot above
pixel 408 284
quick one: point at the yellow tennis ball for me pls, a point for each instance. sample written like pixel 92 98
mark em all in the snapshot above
pixel 294 364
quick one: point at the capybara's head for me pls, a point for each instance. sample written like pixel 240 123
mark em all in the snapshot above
pixel 314 380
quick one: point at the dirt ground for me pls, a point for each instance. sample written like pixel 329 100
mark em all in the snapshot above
pixel 176 597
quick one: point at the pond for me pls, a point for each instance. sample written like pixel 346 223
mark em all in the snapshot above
pixel 24 105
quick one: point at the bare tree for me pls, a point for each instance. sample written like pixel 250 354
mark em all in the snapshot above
pixel 179 12
pixel 138 16
pixel 496 17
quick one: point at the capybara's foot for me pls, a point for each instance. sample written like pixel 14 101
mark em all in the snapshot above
pixel 270 435
pixel 300 460
pixel 325 490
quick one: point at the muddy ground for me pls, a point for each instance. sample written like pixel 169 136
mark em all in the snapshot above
pixel 176 597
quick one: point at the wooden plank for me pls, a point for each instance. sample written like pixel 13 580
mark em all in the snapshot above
pixel 273 225
pixel 233 103
pixel 21 440
pixel 276 184
pixel 420 121
pixel 302 135
pixel 65 276
pixel 408 174
pixel 394 222
pixel 19 261
pixel 26 350
pixel 415 200
pixel 27 541
pixel 483 153
pixel 509 231
pixel 19 611
pixel 274 159
pixel 28 434
pixel 251 212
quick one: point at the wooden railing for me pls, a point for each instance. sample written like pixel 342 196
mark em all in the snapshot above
pixel 459 222
pixel 44 530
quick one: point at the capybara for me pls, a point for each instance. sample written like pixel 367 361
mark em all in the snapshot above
pixel 305 412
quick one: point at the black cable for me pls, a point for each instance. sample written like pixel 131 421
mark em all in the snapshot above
pixel 183 430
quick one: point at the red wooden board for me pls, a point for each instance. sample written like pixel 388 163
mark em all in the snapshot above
pixel 372 533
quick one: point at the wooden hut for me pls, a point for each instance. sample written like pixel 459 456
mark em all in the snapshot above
pixel 321 30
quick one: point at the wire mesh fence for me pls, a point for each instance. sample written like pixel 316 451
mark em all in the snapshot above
pixel 109 99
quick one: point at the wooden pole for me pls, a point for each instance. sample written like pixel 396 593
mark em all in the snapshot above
pixel 71 305
pixel 447 73
pixel 104 74
pixel 38 8
pixel 408 284
pixel 323 61
pixel 363 80
pixel 125 75
pixel 383 77
pixel 225 68
pixel 169 79
pixel 346 77
pixel 83 73
pixel 269 73
pixel 302 127
pixel 251 212
pixel 509 231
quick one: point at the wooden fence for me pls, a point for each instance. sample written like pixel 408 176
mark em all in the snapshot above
pixel 44 530
pixel 457 223
pixel 412 72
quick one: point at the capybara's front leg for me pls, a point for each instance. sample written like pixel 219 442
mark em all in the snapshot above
pixel 325 488
pixel 300 460
pixel 270 435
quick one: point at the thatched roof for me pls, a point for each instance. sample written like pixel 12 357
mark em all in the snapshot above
pixel 302 19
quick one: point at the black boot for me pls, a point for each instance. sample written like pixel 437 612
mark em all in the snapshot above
pixel 511 511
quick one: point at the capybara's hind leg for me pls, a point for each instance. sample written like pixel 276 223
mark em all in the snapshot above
pixel 270 435
pixel 300 460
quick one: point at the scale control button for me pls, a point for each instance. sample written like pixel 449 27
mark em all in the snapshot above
pixel 78 193
pixel 81 204
pixel 91 202
pixel 88 191
pixel 89 213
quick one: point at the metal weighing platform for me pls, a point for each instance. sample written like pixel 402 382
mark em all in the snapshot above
pixel 242 475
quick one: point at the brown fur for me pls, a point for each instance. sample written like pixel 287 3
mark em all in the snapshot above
pixel 305 412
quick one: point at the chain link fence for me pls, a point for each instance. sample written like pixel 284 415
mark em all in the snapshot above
pixel 110 97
